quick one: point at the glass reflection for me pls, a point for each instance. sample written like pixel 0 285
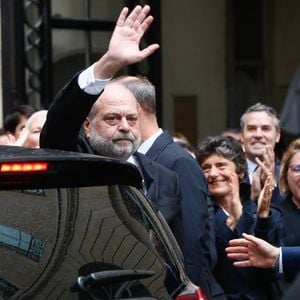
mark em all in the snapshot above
pixel 23 242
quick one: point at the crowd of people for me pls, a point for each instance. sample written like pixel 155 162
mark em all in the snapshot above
pixel 232 205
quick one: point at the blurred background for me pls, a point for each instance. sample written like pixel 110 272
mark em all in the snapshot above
pixel 217 57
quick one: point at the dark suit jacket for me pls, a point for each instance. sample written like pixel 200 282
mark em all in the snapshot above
pixel 291 266
pixel 62 130
pixel 291 261
pixel 294 290
pixel 197 224
pixel 290 235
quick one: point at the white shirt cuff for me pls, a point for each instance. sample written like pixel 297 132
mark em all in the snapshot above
pixel 89 84
pixel 280 261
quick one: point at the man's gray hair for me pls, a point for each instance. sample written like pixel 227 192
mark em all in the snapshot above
pixel 143 90
pixel 260 107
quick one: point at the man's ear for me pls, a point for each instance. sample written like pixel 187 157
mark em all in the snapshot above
pixel 87 127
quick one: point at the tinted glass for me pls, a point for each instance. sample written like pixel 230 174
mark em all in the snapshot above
pixel 51 237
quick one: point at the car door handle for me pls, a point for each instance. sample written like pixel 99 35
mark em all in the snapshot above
pixel 108 277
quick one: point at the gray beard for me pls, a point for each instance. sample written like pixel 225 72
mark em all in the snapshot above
pixel 110 148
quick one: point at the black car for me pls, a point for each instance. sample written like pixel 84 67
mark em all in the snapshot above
pixel 78 226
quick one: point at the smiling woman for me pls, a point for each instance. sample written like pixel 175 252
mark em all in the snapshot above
pixel 224 165
pixel 290 187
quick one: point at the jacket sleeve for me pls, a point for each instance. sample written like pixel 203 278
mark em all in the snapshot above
pixel 290 261
pixel 65 117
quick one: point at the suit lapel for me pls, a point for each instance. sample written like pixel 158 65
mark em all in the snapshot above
pixel 159 145
pixel 150 174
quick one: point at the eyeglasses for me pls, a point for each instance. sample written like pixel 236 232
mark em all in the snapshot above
pixel 295 169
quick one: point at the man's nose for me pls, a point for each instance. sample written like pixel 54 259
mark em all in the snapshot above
pixel 123 124
pixel 258 132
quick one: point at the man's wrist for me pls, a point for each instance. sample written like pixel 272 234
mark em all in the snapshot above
pixel 88 83
pixel 107 66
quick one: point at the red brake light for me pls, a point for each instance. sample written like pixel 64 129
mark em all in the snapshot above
pixel 196 295
pixel 24 167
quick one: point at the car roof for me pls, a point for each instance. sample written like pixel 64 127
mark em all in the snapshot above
pixel 66 168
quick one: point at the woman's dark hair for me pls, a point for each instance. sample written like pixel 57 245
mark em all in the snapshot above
pixel 12 120
pixel 226 146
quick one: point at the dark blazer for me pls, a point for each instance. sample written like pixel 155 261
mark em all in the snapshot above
pixel 291 266
pixel 290 261
pixel 294 291
pixel 290 235
pixel 162 188
pixel 62 130
pixel 197 223
pixel 244 283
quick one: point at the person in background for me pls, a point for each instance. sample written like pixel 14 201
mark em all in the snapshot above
pixel 15 121
pixel 290 188
pixel 182 141
pixel 196 234
pixel 224 165
pixel 260 132
pixel 233 132
pixel 33 127
pixel 6 138
pixel 29 136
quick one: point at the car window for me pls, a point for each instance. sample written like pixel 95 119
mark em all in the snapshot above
pixel 84 243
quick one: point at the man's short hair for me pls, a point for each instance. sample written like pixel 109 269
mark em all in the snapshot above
pixel 143 90
pixel 260 107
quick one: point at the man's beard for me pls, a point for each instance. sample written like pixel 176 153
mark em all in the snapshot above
pixel 110 148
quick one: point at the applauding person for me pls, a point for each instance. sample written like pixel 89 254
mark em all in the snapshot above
pixel 225 168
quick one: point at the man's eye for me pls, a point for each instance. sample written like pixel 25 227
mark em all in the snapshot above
pixel 267 128
pixel 112 120
pixel 132 120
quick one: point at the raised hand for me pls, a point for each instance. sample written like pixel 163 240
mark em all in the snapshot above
pixel 256 184
pixel 264 200
pixel 268 163
pixel 235 208
pixel 266 169
pixel 124 46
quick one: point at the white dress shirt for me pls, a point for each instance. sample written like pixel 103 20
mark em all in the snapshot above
pixel 89 83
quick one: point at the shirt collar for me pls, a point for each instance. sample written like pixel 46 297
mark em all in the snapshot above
pixel 251 168
pixel 146 145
